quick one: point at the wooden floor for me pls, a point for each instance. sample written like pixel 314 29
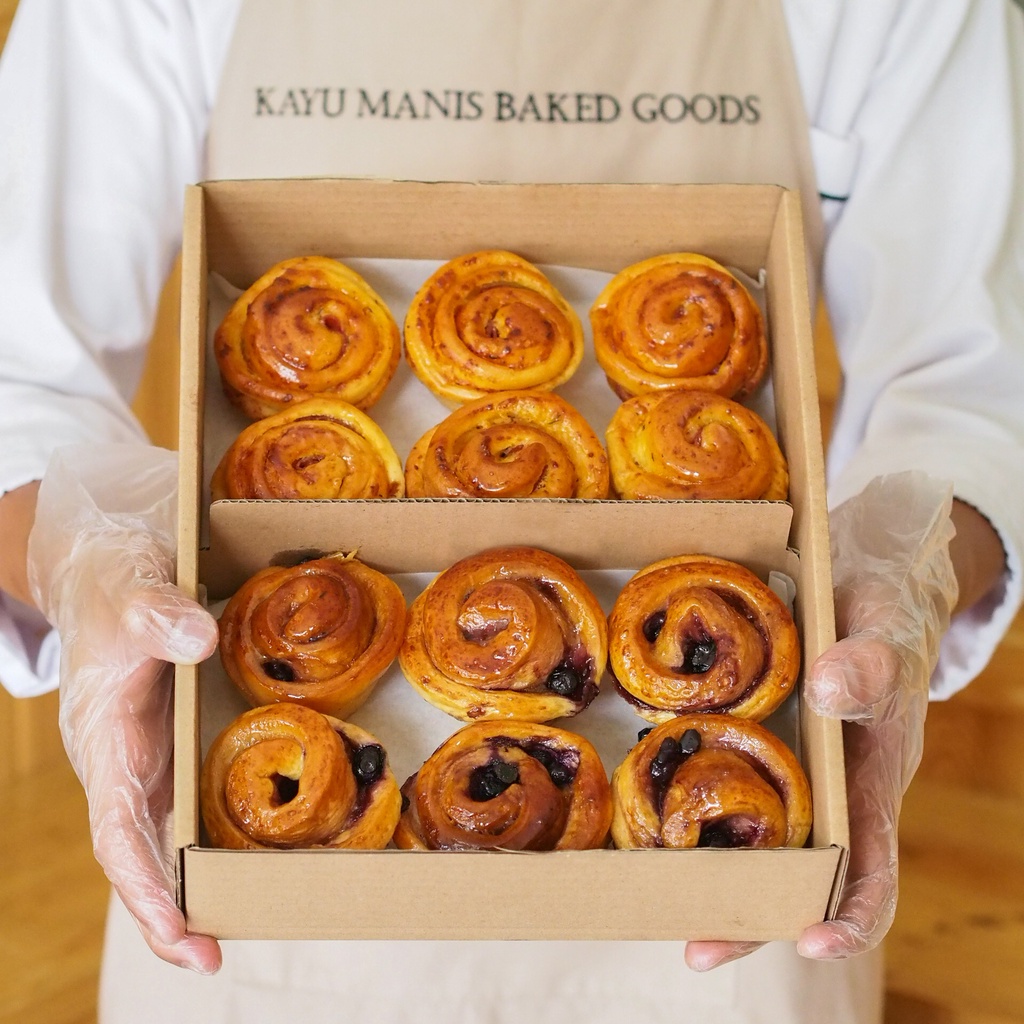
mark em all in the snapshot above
pixel 955 954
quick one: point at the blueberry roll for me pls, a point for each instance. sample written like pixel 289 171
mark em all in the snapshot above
pixel 508 786
pixel 509 633
pixel 321 633
pixel 697 633
pixel 710 780
pixel 285 776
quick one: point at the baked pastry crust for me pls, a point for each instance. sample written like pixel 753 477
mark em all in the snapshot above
pixel 320 448
pixel 517 444
pixel 490 321
pixel 678 320
pixel 285 776
pixel 693 445
pixel 507 785
pixel 321 633
pixel 508 633
pixel 309 326
pixel 742 786
pixel 697 633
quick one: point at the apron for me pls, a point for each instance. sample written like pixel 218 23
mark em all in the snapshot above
pixel 529 91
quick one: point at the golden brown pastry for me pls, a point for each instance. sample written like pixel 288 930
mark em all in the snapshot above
pixel 696 445
pixel 321 633
pixel 507 785
pixel 517 444
pixel 309 326
pixel 679 320
pixel 287 776
pixel 490 321
pixel 508 633
pixel 320 448
pixel 710 780
pixel 696 633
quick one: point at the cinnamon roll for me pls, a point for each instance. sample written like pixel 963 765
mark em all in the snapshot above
pixel 508 633
pixel 309 326
pixel 321 633
pixel 696 633
pixel 518 444
pixel 510 786
pixel 679 320
pixel 490 321
pixel 285 776
pixel 710 780
pixel 321 448
pixel 696 445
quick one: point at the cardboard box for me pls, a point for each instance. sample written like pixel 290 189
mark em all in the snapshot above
pixel 239 229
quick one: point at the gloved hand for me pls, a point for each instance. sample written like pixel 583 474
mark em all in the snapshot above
pixel 100 560
pixel 894 591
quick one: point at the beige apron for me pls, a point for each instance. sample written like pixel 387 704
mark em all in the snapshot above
pixel 515 90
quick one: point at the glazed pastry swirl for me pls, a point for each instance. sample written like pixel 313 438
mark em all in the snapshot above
pixel 490 321
pixel 287 776
pixel 321 448
pixel 520 444
pixel 320 633
pixel 508 633
pixel 693 445
pixel 309 326
pixel 696 633
pixel 679 320
pixel 710 780
pixel 511 786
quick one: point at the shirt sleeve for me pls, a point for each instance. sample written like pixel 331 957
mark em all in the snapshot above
pixel 923 276
pixel 103 111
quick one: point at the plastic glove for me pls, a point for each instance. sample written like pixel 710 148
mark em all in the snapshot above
pixel 894 590
pixel 100 560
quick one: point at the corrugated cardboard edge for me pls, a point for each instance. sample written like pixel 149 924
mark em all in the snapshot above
pixel 810 529
pixel 190 446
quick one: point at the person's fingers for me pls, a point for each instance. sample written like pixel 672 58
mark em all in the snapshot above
pixel 199 953
pixel 868 901
pixel 854 679
pixel 165 624
pixel 706 955
pixel 127 849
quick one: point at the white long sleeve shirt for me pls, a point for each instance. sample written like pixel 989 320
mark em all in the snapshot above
pixel 917 114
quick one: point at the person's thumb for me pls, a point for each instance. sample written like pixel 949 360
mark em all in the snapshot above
pixel 854 679
pixel 167 625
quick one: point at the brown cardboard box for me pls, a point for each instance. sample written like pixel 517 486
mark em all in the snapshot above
pixel 239 229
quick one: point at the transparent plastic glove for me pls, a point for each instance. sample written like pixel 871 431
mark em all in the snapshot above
pixel 894 590
pixel 100 560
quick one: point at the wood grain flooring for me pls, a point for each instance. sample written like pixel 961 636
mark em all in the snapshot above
pixel 955 954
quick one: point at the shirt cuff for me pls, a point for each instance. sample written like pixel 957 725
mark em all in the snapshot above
pixel 29 650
